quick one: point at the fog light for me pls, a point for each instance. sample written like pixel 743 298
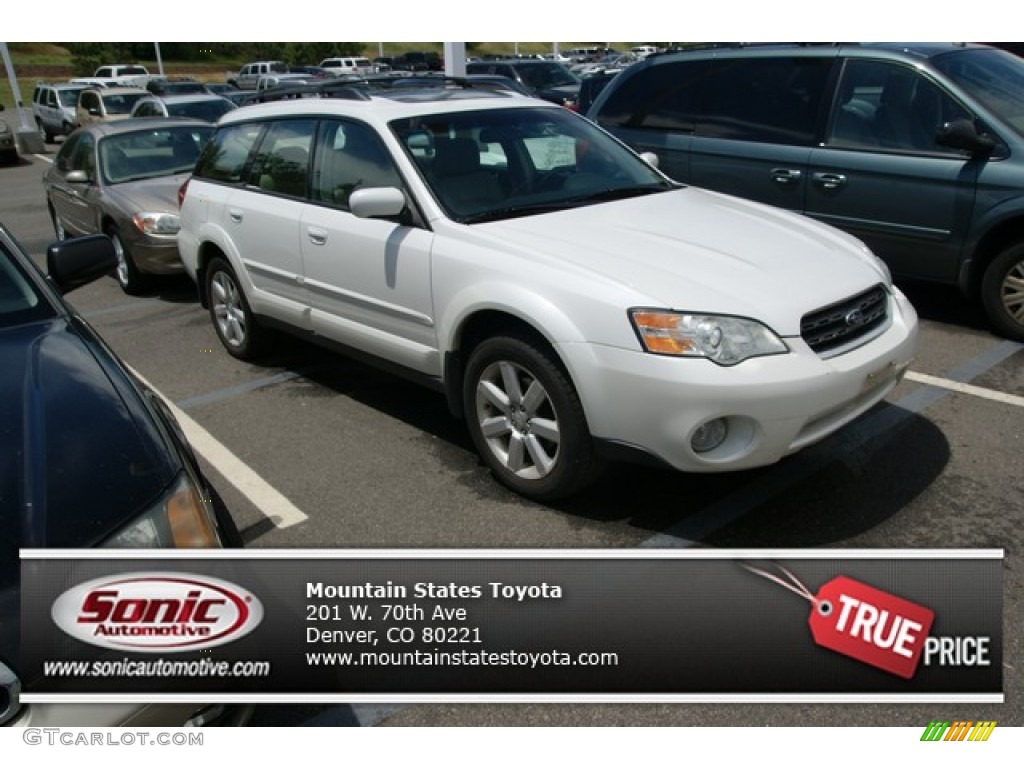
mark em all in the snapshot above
pixel 709 436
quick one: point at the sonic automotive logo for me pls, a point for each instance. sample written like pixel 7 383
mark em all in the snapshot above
pixel 157 612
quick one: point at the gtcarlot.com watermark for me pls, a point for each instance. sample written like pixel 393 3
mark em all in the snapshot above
pixel 76 737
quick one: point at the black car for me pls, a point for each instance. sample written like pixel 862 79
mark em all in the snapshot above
pixel 89 456
pixel 546 80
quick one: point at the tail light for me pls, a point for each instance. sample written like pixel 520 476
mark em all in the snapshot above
pixel 182 190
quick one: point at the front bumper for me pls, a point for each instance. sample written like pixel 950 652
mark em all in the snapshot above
pixel 772 406
pixel 157 254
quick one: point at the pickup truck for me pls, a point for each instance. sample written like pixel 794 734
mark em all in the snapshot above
pixel 248 76
pixel 122 74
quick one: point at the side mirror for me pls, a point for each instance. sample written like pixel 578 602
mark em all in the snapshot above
pixel 77 177
pixel 77 262
pixel 374 202
pixel 961 134
pixel 650 158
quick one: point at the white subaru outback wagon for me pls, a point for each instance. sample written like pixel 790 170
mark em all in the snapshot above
pixel 571 302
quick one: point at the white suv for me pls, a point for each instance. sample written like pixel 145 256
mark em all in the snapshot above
pixel 570 301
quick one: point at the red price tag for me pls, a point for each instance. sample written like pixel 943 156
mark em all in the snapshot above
pixel 870 625
pixel 864 623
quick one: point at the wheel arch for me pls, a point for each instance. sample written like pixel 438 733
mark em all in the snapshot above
pixel 544 325
pixel 998 236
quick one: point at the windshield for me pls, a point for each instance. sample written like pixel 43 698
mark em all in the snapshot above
pixel 546 75
pixel 994 78
pixel 68 97
pixel 502 163
pixel 210 110
pixel 121 103
pixel 148 154
pixel 20 302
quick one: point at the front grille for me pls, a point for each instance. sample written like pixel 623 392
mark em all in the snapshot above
pixel 845 321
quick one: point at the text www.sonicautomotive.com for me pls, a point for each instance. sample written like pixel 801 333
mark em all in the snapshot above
pixel 157 668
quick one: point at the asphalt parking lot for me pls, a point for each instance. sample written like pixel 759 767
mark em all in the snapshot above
pixel 312 450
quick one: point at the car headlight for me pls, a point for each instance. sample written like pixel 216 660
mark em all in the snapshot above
pixel 180 519
pixel 157 223
pixel 4 127
pixel 720 338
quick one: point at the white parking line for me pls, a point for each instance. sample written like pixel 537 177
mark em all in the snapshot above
pixel 966 389
pixel 267 499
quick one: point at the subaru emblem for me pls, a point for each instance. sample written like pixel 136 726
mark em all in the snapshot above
pixel 854 318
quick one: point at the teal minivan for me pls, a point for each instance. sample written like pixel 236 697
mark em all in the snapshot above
pixel 915 148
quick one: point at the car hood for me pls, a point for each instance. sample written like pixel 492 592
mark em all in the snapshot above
pixel 159 194
pixel 700 251
pixel 79 453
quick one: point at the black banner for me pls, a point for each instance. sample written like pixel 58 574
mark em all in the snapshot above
pixel 266 623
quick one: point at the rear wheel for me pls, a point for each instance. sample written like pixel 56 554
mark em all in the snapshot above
pixel 232 319
pixel 1002 292
pixel 526 419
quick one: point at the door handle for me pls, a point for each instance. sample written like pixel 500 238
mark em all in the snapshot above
pixel 235 215
pixel 316 235
pixel 785 175
pixel 830 180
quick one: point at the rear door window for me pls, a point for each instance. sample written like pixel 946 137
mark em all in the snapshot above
pixel 225 157
pixel 773 100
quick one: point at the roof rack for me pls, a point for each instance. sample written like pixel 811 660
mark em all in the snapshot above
pixel 326 89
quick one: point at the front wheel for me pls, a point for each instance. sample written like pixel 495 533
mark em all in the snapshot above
pixel 526 419
pixel 232 319
pixel 131 280
pixel 1002 292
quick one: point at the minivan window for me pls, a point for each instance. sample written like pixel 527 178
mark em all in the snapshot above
pixel 994 78
pixel 886 106
pixel 772 100
pixel 660 97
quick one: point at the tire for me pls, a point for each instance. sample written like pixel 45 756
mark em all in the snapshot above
pixel 526 419
pixel 233 321
pixel 131 280
pixel 44 132
pixel 1002 292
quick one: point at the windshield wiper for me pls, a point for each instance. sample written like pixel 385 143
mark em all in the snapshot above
pixel 513 211
pixel 619 193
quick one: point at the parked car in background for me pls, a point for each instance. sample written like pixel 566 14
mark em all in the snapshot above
pixel 287 78
pixel 310 72
pixel 348 65
pixel 121 179
pixel 131 75
pixel 418 61
pixel 249 75
pixel 98 105
pixel 571 301
pixel 165 86
pixel 546 80
pixel 8 145
pixel 240 98
pixel 53 108
pixel 915 148
pixel 89 457
pixel 199 106
pixel 221 89
pixel 591 85
pixel 439 80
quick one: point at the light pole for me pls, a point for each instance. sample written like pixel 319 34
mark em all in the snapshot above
pixel 28 138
